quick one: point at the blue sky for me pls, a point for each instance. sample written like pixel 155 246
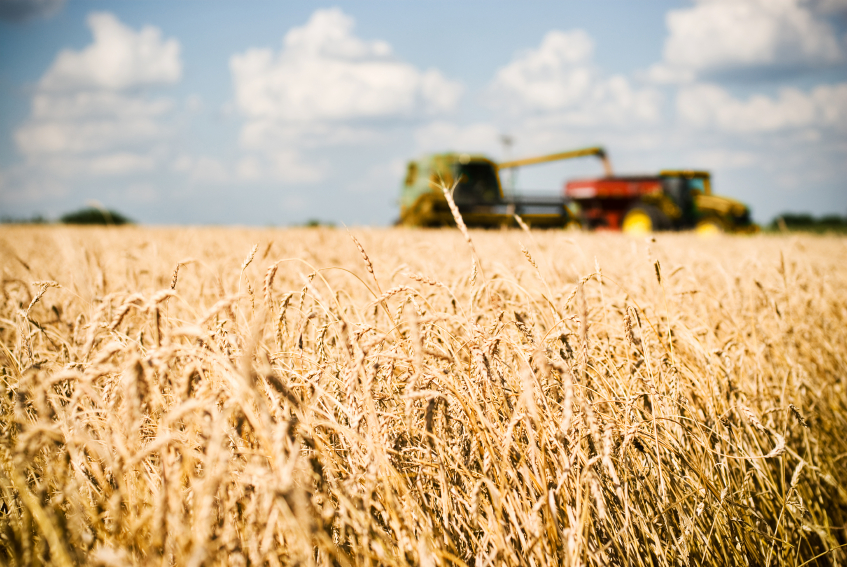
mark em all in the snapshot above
pixel 272 113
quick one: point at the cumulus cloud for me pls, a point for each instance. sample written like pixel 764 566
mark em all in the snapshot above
pixel 559 77
pixel 440 136
pixel 259 134
pixel 19 187
pixel 112 163
pixel 61 167
pixel 325 88
pixel 716 37
pixel 555 75
pixel 78 123
pixel 324 72
pixel 119 58
pixel 68 106
pixel 86 136
pixel 90 114
pixel 288 166
pixel 23 10
pixel 711 106
pixel 202 170
pixel 723 158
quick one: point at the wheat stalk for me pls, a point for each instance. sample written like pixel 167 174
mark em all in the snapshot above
pixel 466 428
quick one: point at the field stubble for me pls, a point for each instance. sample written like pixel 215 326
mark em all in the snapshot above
pixel 247 397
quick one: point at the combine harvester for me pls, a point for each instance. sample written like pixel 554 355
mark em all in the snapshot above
pixel 671 200
pixel 478 194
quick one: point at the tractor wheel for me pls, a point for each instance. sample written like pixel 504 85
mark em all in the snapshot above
pixel 710 226
pixel 644 219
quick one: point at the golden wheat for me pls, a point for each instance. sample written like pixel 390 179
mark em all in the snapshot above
pixel 592 399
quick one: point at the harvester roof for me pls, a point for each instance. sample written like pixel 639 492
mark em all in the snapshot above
pixel 424 173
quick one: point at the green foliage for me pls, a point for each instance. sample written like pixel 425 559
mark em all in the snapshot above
pixel 317 223
pixel 34 219
pixel 808 223
pixel 92 215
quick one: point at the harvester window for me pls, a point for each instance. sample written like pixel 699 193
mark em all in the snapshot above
pixel 477 183
pixel 411 173
pixel 679 190
pixel 697 183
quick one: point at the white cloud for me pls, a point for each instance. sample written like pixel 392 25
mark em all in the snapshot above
pixel 615 101
pixel 141 193
pixel 279 164
pixel 377 177
pixel 722 158
pixel 717 36
pixel 194 103
pixel 118 163
pixel 88 117
pixel 441 136
pixel 105 164
pixel 288 166
pixel 324 72
pixel 119 58
pixel 710 106
pixel 258 135
pixel 249 168
pixel 202 169
pixel 19 186
pixel 560 79
pixel 555 75
pixel 91 134
pixel 325 88
pixel 69 106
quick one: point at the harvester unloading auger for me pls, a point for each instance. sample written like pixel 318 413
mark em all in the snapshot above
pixel 671 200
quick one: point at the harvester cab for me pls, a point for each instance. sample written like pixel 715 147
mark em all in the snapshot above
pixel 477 192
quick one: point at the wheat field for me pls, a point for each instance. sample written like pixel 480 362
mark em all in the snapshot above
pixel 414 397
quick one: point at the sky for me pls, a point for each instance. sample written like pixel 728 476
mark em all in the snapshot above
pixel 275 113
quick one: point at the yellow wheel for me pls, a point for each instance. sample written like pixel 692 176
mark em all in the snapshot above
pixel 709 227
pixel 637 222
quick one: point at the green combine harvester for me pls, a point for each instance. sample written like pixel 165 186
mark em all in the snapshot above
pixel 478 192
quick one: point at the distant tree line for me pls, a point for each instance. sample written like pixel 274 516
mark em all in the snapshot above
pixel 798 222
pixel 34 219
pixel 93 215
pixel 809 223
pixel 88 215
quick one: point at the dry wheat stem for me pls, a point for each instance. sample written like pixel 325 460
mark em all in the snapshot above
pixel 467 426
